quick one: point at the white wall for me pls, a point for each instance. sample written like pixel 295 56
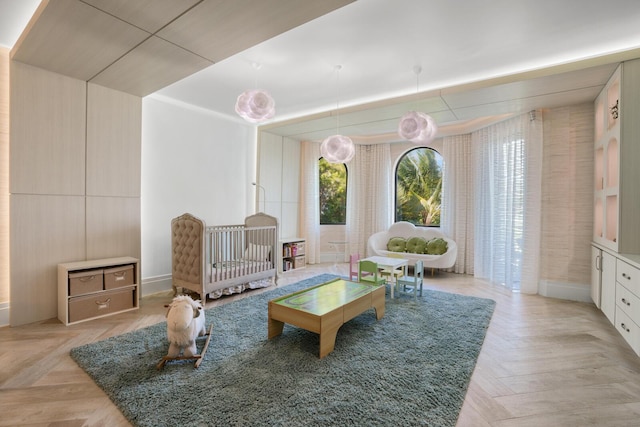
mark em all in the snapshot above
pixel 192 161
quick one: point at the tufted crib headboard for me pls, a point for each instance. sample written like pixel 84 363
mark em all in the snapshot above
pixel 188 253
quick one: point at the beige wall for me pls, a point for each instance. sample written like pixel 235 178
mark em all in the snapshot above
pixel 4 175
pixel 74 182
pixel 567 188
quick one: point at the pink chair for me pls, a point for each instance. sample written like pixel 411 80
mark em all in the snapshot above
pixel 353 267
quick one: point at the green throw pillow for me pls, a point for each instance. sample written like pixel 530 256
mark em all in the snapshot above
pixel 436 246
pixel 416 245
pixel 396 244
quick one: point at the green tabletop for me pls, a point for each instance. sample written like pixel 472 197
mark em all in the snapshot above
pixel 326 297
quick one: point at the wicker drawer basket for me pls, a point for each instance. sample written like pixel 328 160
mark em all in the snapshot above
pixel 108 302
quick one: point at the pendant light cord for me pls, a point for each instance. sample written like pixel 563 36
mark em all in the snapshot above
pixel 338 68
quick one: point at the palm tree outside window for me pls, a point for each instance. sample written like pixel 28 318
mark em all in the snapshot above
pixel 333 192
pixel 419 187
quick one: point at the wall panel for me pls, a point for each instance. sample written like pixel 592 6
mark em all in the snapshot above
pixel 45 231
pixel 4 175
pixel 47 132
pixel 52 220
pixel 113 227
pixel 114 121
pixel 567 195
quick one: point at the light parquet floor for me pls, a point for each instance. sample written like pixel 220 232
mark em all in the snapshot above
pixel 545 362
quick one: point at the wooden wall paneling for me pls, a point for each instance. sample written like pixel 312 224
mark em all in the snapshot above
pixel 113 227
pixel 114 122
pixel 45 230
pixel 4 175
pixel 47 132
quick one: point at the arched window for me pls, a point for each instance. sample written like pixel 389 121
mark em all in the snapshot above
pixel 333 192
pixel 419 187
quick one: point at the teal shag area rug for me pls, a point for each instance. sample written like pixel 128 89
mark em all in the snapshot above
pixel 410 368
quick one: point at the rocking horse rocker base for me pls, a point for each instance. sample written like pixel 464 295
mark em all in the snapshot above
pixel 198 357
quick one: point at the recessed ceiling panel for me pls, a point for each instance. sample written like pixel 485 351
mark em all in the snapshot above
pixel 150 15
pixel 522 105
pixel 149 67
pixel 75 39
pixel 526 88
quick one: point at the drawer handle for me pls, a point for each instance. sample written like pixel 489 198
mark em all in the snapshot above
pixel 103 304
pixel 87 278
pixel 120 276
pixel 626 276
pixel 625 327
pixel 626 302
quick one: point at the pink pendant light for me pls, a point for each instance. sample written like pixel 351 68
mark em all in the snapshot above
pixel 337 148
pixel 255 105
pixel 415 126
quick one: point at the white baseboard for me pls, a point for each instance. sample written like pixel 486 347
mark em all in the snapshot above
pixel 4 314
pixel 154 285
pixel 565 290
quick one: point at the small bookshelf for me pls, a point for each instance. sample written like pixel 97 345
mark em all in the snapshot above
pixel 293 254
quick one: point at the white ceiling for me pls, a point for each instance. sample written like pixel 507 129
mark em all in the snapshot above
pixel 479 58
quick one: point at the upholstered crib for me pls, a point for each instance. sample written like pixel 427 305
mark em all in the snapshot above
pixel 207 260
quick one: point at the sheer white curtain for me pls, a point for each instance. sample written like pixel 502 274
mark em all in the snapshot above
pixel 369 195
pixel 310 206
pixel 507 202
pixel 457 211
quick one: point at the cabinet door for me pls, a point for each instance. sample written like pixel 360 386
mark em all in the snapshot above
pixel 596 274
pixel 608 291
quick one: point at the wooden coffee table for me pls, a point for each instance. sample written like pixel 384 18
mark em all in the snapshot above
pixel 324 308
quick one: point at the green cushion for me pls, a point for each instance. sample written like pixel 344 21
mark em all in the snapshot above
pixel 416 245
pixel 396 244
pixel 436 246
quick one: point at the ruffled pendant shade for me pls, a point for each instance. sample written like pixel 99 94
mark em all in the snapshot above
pixel 417 127
pixel 337 149
pixel 255 106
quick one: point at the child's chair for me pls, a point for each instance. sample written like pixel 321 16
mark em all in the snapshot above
pixel 414 282
pixel 353 266
pixel 371 268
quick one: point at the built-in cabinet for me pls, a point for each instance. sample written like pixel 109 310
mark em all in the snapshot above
pixel 279 175
pixel 616 155
pixel 603 283
pixel 293 254
pixel 627 317
pixel 615 280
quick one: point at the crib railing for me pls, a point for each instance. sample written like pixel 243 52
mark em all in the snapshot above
pixel 236 251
